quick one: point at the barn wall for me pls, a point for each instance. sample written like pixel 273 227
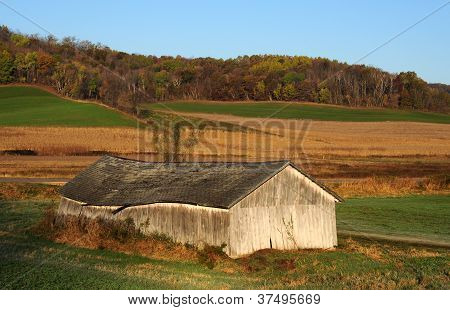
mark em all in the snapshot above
pixel 289 211
pixel 182 222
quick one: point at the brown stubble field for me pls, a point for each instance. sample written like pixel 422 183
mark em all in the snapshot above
pixel 403 154
pixel 350 139
pixel 275 139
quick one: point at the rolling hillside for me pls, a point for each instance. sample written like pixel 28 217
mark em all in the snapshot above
pixel 303 111
pixel 73 67
pixel 29 106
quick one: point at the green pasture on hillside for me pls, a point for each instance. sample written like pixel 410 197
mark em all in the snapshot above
pixel 303 111
pixel 29 106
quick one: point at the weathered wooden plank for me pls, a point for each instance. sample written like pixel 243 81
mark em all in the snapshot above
pixel 288 195
pixel 261 218
pixel 183 223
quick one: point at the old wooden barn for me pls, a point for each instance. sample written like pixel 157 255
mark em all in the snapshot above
pixel 247 206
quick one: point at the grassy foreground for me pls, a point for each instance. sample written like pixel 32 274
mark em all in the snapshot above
pixel 31 262
pixel 303 111
pixel 426 217
pixel 29 106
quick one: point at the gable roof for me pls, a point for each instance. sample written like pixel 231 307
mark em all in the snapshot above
pixel 114 181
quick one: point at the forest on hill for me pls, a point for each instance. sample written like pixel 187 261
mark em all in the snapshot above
pixel 83 70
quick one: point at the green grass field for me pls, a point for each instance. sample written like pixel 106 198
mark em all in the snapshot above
pixel 29 106
pixel 31 262
pixel 303 111
pixel 425 217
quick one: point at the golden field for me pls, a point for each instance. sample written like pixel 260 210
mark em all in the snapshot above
pixel 279 139
pixel 323 148
pixel 68 141
pixel 329 138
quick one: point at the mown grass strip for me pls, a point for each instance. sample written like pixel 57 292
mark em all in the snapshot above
pixel 303 111
pixel 418 216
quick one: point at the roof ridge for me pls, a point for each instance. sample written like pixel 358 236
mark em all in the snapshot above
pixel 197 162
pixel 112 181
pixel 120 181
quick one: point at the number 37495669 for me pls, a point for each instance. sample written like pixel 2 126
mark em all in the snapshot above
pixel 292 299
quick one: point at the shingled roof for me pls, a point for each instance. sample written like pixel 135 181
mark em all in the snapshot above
pixel 114 181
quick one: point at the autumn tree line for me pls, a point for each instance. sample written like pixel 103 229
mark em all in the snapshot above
pixel 83 70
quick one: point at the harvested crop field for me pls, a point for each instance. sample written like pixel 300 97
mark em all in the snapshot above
pixel 329 138
pixel 323 139
pixel 67 141
pixel 325 149
pixel 43 166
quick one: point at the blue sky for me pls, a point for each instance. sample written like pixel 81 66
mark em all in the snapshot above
pixel 342 30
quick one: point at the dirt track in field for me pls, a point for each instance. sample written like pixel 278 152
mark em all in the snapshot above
pixel 352 138
pixel 394 238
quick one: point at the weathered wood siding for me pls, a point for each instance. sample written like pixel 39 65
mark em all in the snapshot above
pixel 182 222
pixel 289 211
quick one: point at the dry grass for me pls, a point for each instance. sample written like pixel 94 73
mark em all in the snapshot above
pixel 349 139
pixel 321 139
pixel 15 191
pixel 87 141
pixel 69 141
pixel 116 236
pixel 381 251
pixel 122 236
pixel 327 149
pixel 365 167
pixel 43 166
pixel 356 263
pixel 342 168
pixel 372 251
pixel 384 186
